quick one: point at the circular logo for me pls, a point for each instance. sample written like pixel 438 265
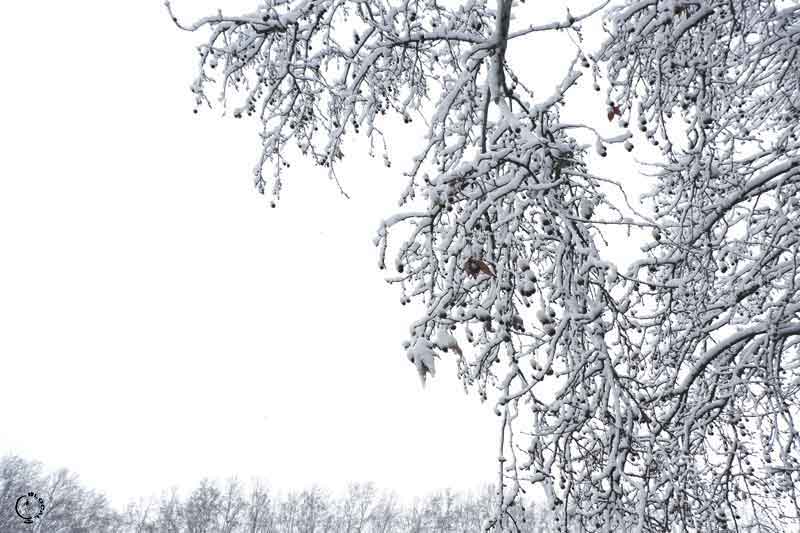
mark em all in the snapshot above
pixel 29 507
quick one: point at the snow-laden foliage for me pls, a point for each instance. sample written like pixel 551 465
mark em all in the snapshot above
pixel 661 398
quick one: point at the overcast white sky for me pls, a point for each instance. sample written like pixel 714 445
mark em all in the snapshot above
pixel 159 322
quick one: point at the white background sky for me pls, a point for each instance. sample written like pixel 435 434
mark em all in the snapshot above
pixel 159 322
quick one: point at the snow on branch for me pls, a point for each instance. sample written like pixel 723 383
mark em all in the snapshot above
pixel 656 398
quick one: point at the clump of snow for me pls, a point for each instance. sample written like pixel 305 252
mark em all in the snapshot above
pixel 421 354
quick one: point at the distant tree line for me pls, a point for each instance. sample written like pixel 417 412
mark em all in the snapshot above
pixel 236 507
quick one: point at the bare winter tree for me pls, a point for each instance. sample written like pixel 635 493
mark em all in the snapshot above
pixel 288 514
pixel 232 506
pixel 356 507
pixel 314 511
pixel 441 511
pixel 73 508
pixel 170 513
pixel 260 514
pixel 202 509
pixel 661 397
pixel 386 513
pixel 140 516
pixel 17 477
pixel 414 518
pixel 69 506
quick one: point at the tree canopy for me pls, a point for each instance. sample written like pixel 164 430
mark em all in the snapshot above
pixel 658 397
